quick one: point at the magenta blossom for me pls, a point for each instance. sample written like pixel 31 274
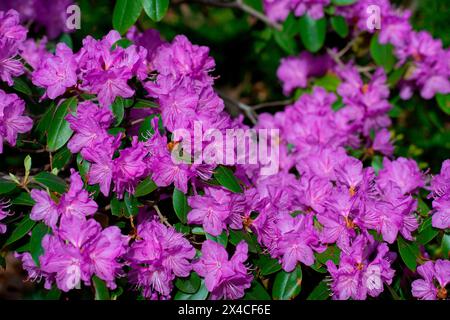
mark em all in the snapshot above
pixel 435 278
pixel 157 256
pixel 225 278
pixel 357 276
pixel 12 120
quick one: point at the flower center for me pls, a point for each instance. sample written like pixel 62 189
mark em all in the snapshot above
pixel 442 293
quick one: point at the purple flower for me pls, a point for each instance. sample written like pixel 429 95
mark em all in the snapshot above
pixel 276 10
pixel 295 71
pixel 314 8
pixel 10 67
pixel 150 39
pixel 358 274
pixel 440 192
pixel 224 278
pixel 157 256
pixel 382 142
pixel 4 212
pixel 403 172
pixel 435 276
pixel 76 202
pixel 57 73
pixel 79 249
pixel 33 52
pixel 90 125
pixel 213 210
pixel 12 121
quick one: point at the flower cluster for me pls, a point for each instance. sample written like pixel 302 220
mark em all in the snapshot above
pixel 48 14
pixel 12 120
pixel 158 255
pixel 224 278
pixel 77 247
pixel 424 59
pixel 325 198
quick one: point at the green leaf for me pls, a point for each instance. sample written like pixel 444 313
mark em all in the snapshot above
pixel 340 25
pixel 23 199
pixel 22 86
pixel 332 253
pixel 44 123
pixel 287 285
pixel 227 179
pixel 59 131
pixel 257 292
pixel 343 2
pixel 190 284
pixel 443 101
pixel 320 292
pixel 54 183
pixel 382 54
pixel 329 82
pixel 155 9
pixel 237 236
pixel 101 291
pixel 145 187
pixel 131 205
pixel 377 163
pixel 312 32
pixel 180 205
pixel 22 229
pixel 117 207
pixel 426 232
pixel 221 238
pixel 6 186
pixel 65 38
pixel 125 14
pixel 285 42
pixel 201 294
pixel 39 231
pixel 118 109
pixel 445 246
pixel 267 265
pixel 61 158
pixel 409 251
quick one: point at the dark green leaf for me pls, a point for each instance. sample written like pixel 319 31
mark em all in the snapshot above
pixel 61 158
pixel 443 101
pixel 118 109
pixel 131 205
pixel 24 226
pixel 117 207
pixel 145 187
pixel 23 199
pixel 227 179
pixel 257 292
pixel 22 86
pixel 320 292
pixel 340 25
pixel 221 238
pixel 190 284
pixel 125 14
pixel 409 251
pixel 54 183
pixel 237 236
pixel 287 285
pixel 39 231
pixel 7 186
pixel 180 205
pixel 59 131
pixel 267 265
pixel 155 9
pixel 312 32
pixel 332 253
pixel 343 2
pixel 382 54
pixel 445 246
pixel 101 291
pixel 201 294
pixel 426 232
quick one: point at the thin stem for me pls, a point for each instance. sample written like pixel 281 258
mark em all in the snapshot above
pixel 161 216
pixel 271 104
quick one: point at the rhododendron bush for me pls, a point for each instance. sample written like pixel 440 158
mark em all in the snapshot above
pixel 119 180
